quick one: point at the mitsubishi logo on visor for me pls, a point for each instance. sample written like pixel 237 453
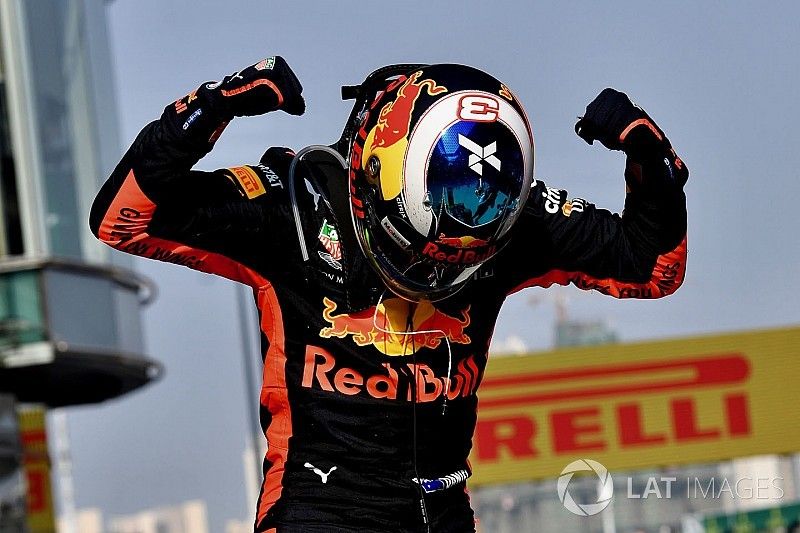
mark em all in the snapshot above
pixel 480 154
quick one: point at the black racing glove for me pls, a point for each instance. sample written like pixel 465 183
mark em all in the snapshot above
pixel 202 115
pixel 269 85
pixel 619 124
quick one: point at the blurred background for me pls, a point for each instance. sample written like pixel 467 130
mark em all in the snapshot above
pixel 128 388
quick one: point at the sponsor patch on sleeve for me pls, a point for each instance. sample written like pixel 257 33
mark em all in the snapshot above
pixel 249 181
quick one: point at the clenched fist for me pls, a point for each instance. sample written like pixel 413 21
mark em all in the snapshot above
pixel 269 85
pixel 619 124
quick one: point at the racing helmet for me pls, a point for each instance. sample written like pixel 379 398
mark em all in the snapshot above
pixel 440 165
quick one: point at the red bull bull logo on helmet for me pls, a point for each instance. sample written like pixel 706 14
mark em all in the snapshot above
pixel 388 139
pixel 397 327
pixel 461 242
pixel 394 120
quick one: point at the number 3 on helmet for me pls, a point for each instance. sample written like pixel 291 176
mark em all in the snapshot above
pixel 441 163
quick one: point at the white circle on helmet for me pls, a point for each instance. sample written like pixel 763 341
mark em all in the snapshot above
pixel 422 141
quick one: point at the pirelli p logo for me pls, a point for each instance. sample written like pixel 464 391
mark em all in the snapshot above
pixel 249 181
pixel 638 406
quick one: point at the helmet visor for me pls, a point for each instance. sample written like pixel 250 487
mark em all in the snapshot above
pixel 476 174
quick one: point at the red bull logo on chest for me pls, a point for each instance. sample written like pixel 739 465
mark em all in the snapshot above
pixel 321 371
pixel 396 326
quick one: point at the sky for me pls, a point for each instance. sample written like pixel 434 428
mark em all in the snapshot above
pixel 719 77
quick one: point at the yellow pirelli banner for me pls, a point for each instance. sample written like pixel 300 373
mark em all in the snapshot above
pixel 635 406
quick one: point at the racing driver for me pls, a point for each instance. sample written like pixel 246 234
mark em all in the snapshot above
pixel 379 265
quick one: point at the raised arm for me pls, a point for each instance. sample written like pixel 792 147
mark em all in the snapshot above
pixel 155 206
pixel 639 254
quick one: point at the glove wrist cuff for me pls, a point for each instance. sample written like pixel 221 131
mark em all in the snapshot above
pixel 198 116
pixel 644 122
pixel 642 141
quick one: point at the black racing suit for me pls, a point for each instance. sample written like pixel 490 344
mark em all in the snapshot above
pixel 353 410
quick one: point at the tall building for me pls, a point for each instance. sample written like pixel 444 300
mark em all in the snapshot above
pixel 70 309
pixel 84 521
pixel 188 517
pixel 238 526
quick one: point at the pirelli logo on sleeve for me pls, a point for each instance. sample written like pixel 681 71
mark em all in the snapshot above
pixel 249 181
